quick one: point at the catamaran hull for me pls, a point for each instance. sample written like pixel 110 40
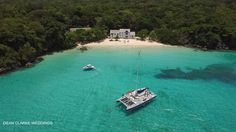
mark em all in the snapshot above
pixel 88 69
pixel 140 105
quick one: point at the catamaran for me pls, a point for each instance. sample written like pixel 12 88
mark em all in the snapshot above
pixel 136 98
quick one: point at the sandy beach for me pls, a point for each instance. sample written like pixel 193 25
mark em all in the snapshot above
pixel 125 43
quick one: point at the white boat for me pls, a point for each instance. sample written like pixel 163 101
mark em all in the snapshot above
pixel 136 98
pixel 89 67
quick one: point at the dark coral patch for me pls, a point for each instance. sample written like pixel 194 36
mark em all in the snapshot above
pixel 221 72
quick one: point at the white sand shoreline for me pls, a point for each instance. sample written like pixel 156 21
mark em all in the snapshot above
pixel 125 43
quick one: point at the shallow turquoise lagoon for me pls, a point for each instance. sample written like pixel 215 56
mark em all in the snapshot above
pixel 196 91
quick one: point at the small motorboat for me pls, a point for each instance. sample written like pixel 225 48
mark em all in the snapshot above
pixel 88 67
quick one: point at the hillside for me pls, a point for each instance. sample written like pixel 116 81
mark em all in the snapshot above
pixel 33 28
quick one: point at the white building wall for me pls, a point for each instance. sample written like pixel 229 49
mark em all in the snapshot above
pixel 122 33
pixel 114 33
pixel 132 34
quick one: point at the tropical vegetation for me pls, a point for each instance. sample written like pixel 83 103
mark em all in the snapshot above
pixel 32 28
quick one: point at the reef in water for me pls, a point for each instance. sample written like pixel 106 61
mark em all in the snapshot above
pixel 221 72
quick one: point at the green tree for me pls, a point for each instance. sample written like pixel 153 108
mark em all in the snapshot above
pixel 54 35
pixel 13 32
pixel 26 53
pixel 153 36
pixel 71 38
pixel 143 34
pixel 8 56
pixel 94 34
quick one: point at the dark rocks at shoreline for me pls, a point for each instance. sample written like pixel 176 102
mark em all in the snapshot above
pixel 204 48
pixel 18 65
pixel 29 64
pixel 39 59
pixel 5 69
pixel 83 48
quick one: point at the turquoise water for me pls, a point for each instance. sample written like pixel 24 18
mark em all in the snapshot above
pixel 196 91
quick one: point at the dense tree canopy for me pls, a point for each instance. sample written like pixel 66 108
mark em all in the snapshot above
pixel 41 26
pixel 94 34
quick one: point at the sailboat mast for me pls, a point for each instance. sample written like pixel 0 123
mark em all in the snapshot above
pixel 138 69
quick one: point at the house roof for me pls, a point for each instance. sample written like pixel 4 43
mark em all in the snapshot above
pixel 120 30
pixel 84 28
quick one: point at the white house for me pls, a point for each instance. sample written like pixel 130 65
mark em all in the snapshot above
pixel 122 33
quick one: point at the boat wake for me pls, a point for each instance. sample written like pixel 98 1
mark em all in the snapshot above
pixel 92 74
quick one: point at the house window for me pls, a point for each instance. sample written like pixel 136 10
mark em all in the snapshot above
pixel 126 32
